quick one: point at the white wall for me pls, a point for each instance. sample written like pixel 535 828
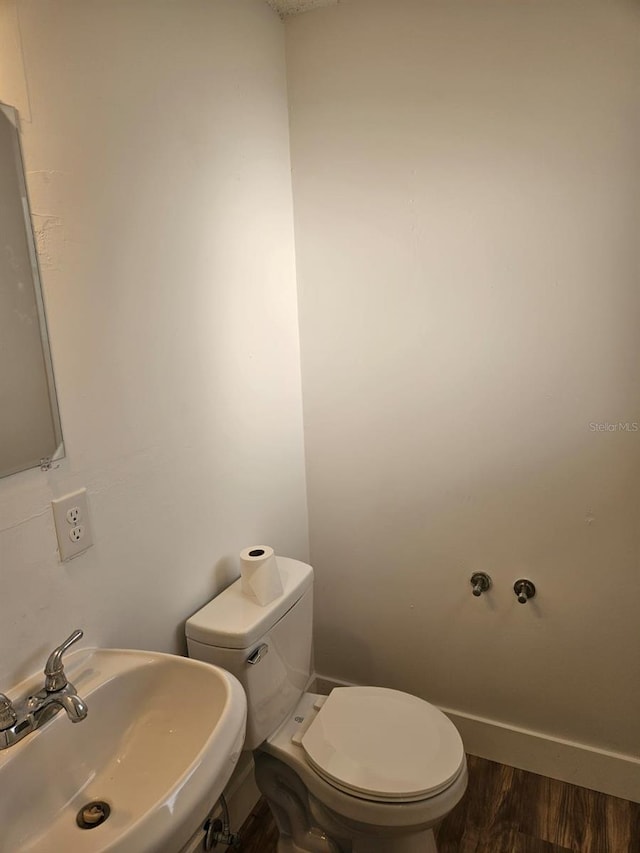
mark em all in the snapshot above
pixel 156 144
pixel 467 207
pixel 467 194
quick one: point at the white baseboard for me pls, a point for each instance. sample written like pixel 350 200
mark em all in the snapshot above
pixel 613 773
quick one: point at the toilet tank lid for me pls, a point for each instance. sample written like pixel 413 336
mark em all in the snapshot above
pixel 233 621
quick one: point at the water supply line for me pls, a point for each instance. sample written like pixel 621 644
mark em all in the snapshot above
pixel 219 831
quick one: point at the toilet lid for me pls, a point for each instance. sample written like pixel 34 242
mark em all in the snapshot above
pixel 383 745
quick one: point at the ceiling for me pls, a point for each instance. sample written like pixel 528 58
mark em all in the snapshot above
pixel 295 7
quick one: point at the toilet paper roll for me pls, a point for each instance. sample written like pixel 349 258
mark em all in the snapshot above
pixel 259 573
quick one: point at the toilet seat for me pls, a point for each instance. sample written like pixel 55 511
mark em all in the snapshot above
pixel 383 745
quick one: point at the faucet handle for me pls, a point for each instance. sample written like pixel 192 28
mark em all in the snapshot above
pixel 55 679
pixel 8 715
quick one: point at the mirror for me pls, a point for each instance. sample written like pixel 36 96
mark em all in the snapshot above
pixel 30 431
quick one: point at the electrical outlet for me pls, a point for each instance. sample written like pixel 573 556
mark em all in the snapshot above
pixel 74 515
pixel 71 517
pixel 76 533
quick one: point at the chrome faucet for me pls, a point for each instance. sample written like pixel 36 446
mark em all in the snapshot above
pixel 19 719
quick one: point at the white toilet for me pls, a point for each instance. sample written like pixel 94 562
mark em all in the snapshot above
pixel 363 770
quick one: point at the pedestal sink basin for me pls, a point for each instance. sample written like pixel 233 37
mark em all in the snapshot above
pixel 158 745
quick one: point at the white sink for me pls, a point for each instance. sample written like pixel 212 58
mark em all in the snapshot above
pixel 159 744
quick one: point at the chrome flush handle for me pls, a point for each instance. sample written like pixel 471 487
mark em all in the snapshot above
pixel 257 655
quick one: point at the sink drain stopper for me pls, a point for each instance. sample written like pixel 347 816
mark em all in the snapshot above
pixel 93 814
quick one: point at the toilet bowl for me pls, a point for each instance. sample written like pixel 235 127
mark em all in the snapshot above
pixel 364 770
pixel 366 794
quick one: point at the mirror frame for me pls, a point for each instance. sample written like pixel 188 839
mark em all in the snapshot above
pixel 44 463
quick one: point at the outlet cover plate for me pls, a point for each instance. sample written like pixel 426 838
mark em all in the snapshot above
pixel 73 527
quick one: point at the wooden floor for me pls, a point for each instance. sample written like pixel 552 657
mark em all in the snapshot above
pixel 510 811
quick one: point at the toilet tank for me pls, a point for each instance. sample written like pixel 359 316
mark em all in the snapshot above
pixel 267 648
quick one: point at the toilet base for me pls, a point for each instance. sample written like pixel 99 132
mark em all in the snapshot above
pixel 288 845
pixel 423 844
pixel 306 826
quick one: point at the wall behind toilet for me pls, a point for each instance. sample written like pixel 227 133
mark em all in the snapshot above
pixel 467 202
pixel 156 142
